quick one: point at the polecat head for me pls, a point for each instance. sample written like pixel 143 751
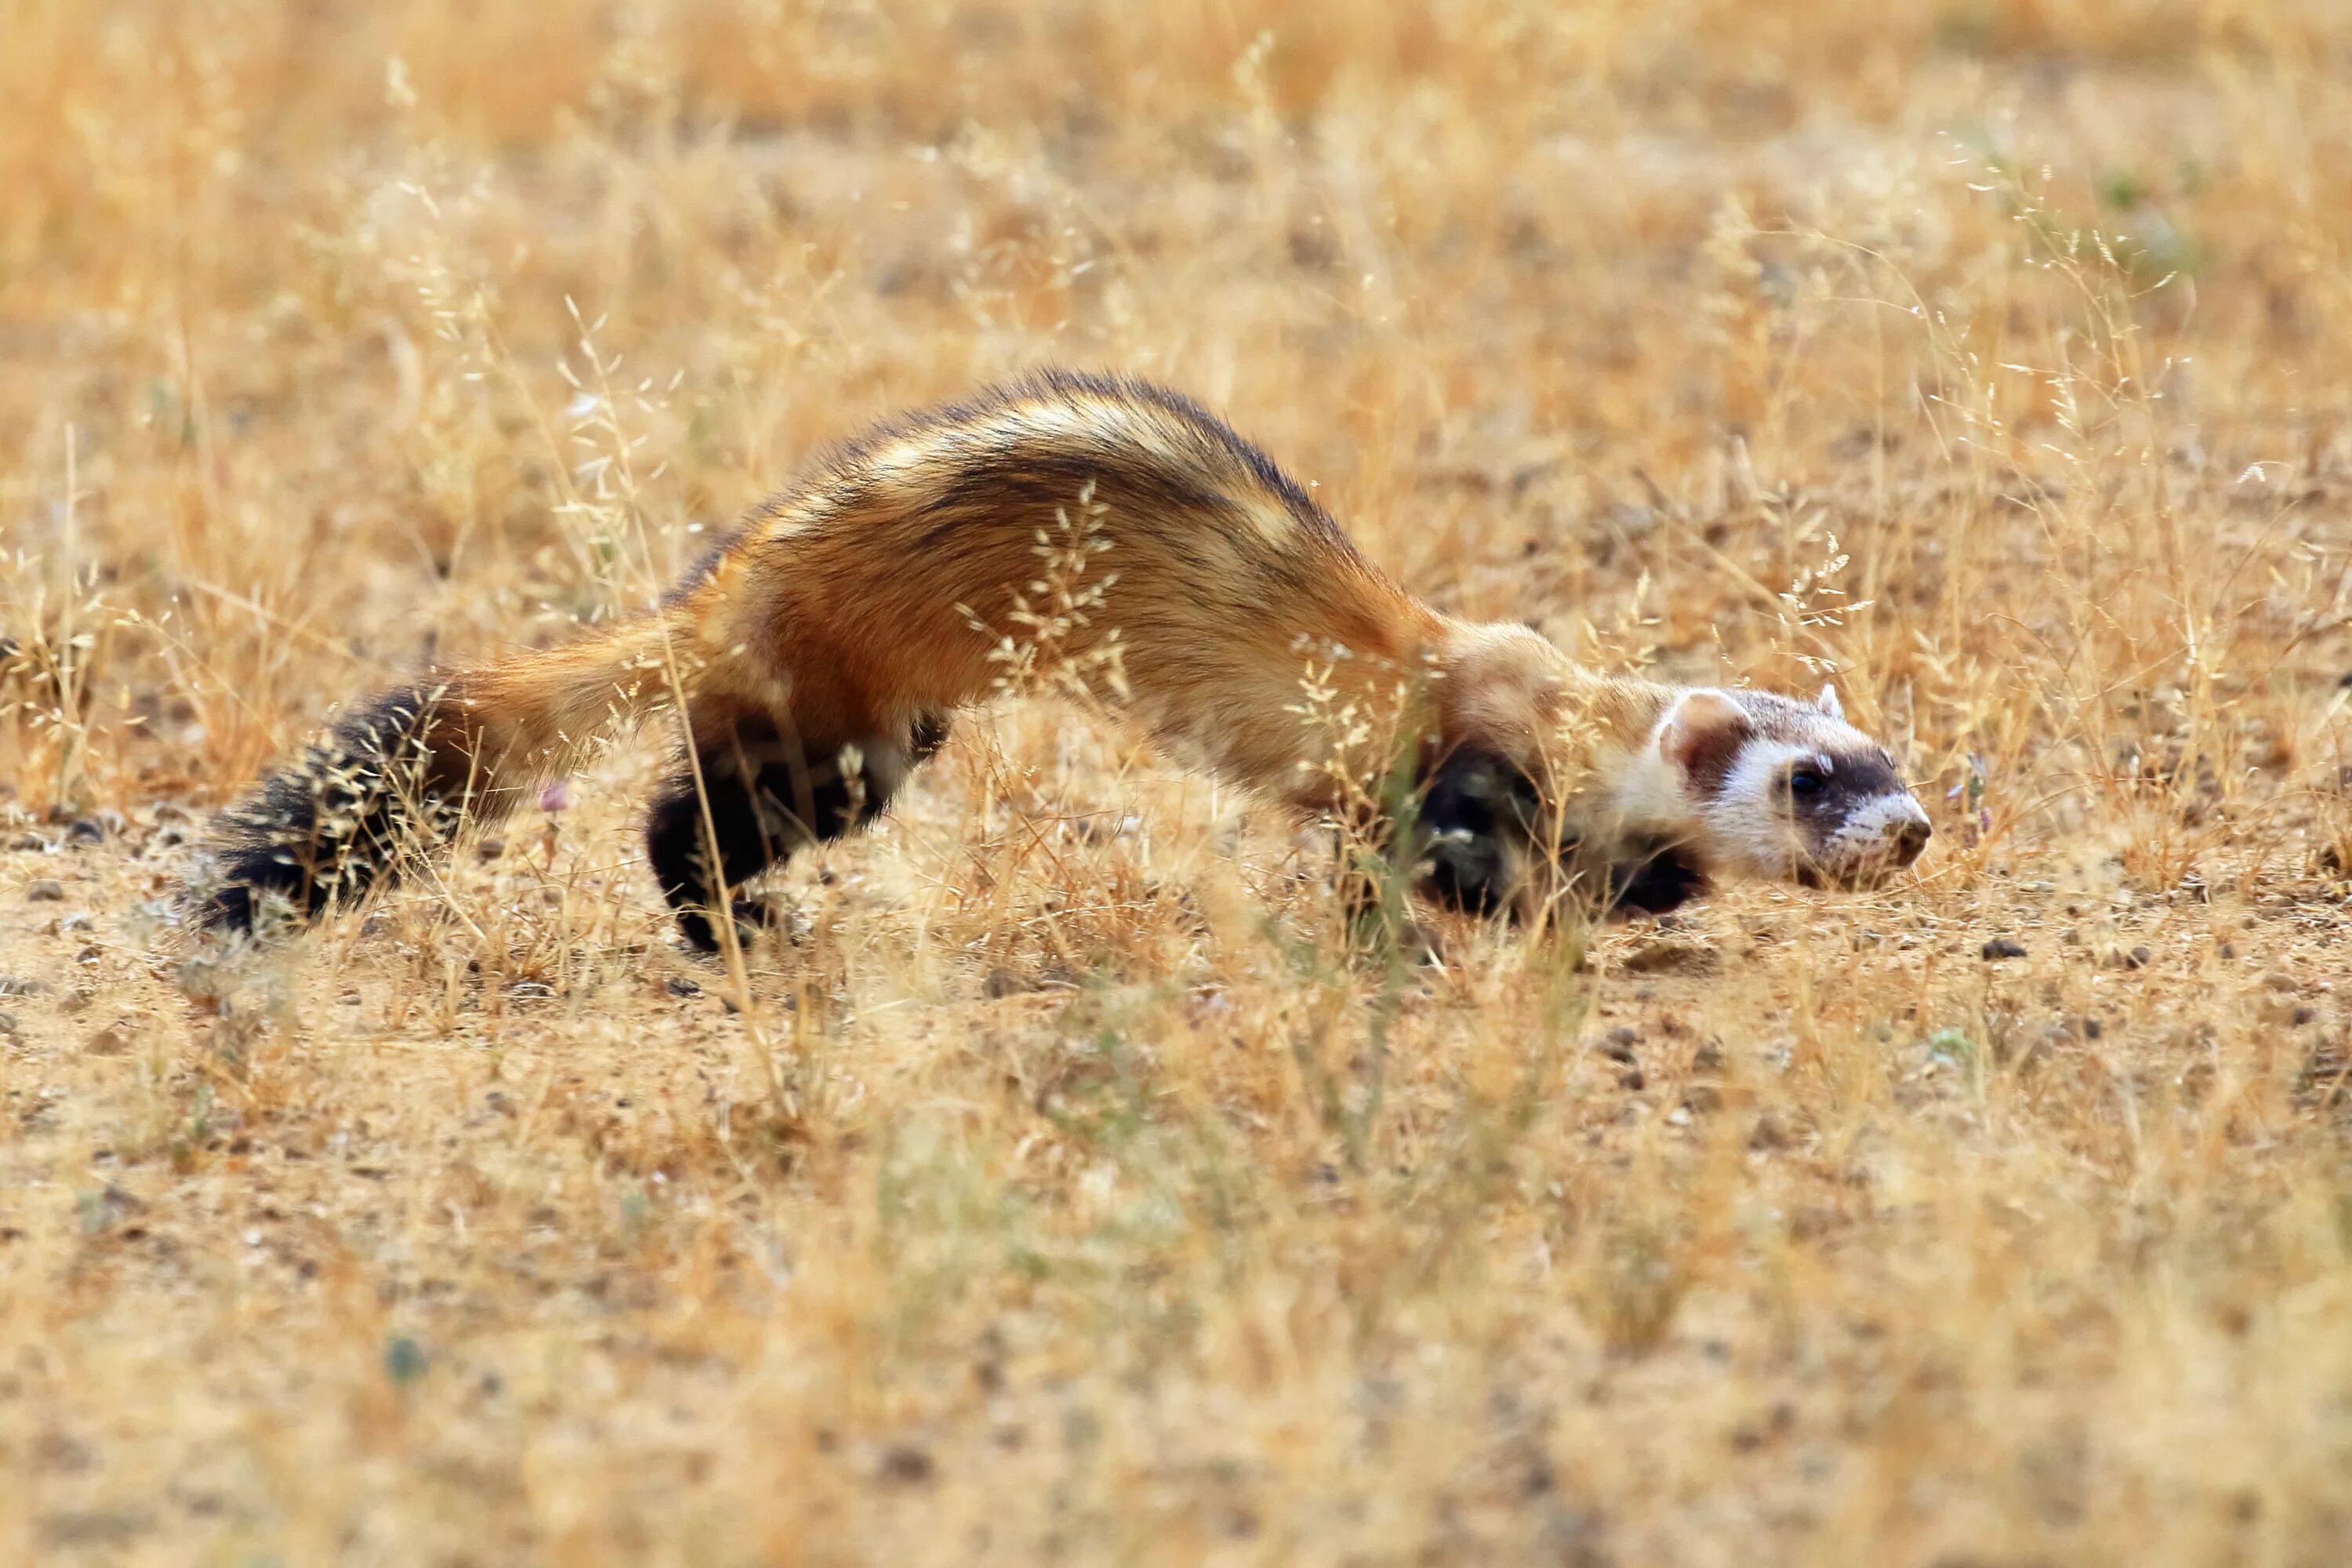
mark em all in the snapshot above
pixel 1642 791
pixel 1788 790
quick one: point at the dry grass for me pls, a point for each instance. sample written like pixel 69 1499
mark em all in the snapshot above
pixel 1062 1195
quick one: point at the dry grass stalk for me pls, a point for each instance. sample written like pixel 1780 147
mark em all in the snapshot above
pixel 1052 1184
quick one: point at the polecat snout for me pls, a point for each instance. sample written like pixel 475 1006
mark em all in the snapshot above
pixel 815 660
pixel 1629 794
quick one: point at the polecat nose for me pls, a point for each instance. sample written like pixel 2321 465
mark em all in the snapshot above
pixel 1909 838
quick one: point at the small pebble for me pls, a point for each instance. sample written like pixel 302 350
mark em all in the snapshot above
pixel 2003 947
pixel 1003 982
pixel 2137 958
pixel 1672 958
pixel 404 1360
pixel 906 1464
pixel 48 890
pixel 28 844
pixel 679 985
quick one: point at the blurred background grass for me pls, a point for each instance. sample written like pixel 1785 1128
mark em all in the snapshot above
pixel 1062 1195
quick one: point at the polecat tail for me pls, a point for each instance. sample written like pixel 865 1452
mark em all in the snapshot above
pixel 398 776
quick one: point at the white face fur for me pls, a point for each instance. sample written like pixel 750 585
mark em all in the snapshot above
pixel 1786 790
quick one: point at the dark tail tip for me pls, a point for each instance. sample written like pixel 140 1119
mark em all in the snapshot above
pixel 230 910
pixel 335 824
pixel 260 887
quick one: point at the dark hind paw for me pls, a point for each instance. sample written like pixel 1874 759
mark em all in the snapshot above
pixel 752 916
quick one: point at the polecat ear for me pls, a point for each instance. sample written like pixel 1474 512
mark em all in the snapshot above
pixel 1830 704
pixel 1702 736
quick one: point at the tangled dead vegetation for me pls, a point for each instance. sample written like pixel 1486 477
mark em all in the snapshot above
pixel 1049 1184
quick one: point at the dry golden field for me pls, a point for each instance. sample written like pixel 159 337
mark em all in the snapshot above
pixel 1054 1188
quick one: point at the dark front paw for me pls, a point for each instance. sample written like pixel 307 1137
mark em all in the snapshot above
pixel 1463 871
pixel 1477 815
pixel 1652 886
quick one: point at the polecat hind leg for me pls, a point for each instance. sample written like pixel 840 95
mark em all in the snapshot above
pixel 680 854
pixel 769 795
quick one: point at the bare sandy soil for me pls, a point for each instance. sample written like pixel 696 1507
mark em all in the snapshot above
pixel 1052 1186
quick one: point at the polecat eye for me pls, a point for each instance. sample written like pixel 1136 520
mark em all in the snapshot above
pixel 1805 783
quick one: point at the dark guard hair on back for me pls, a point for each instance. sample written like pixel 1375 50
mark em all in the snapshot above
pixel 1088 459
